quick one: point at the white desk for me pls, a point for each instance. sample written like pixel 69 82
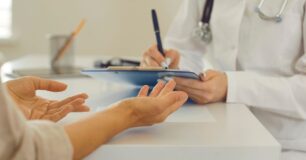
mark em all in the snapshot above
pixel 212 132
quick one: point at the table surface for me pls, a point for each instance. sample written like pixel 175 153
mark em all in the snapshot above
pixel 216 131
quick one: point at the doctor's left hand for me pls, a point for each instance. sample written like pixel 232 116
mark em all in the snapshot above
pixel 211 88
pixel 23 92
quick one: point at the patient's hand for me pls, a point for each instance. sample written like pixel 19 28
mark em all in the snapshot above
pixel 155 107
pixel 23 92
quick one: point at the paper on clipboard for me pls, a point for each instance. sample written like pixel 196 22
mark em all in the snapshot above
pixel 137 76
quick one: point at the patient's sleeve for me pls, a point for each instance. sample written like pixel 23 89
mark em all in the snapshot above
pixel 29 140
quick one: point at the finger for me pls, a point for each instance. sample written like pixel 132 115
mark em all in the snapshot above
pixel 78 105
pixel 155 54
pixel 174 56
pixel 143 91
pixel 59 115
pixel 189 90
pixel 210 74
pixel 190 83
pixel 157 89
pixel 151 62
pixel 49 85
pixel 81 108
pixel 197 99
pixel 202 77
pixel 68 100
pixel 174 101
pixel 197 96
pixel 169 87
pixel 143 63
pixel 74 103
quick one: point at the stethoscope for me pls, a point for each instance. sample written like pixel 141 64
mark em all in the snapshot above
pixel 277 18
pixel 203 31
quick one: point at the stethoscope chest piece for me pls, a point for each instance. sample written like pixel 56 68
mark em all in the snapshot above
pixel 203 32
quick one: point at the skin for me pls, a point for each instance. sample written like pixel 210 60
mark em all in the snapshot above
pixel 23 92
pixel 88 134
pixel 153 58
pixel 209 89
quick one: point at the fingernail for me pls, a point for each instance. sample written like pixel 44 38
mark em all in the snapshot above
pixel 146 87
pixel 82 101
pixel 168 78
pixel 202 76
pixel 86 95
pixel 165 80
pixel 183 97
pixel 161 81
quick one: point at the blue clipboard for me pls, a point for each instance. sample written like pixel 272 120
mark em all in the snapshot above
pixel 135 76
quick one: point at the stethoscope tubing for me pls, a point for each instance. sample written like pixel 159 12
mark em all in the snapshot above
pixel 203 30
pixel 277 18
pixel 207 11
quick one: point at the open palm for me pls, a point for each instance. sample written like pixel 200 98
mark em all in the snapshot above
pixel 23 92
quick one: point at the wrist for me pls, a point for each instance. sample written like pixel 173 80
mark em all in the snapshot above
pixel 225 87
pixel 124 114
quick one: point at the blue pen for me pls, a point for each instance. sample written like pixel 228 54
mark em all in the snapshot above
pixel 164 64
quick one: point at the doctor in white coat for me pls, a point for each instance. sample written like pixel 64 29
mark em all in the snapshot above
pixel 257 51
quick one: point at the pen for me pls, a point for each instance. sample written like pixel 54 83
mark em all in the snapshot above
pixel 160 48
pixel 68 42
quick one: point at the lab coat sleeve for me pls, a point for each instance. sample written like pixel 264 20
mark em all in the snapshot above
pixel 180 36
pixel 22 139
pixel 282 95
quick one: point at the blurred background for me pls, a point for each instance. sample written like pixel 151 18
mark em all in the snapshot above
pixel 113 27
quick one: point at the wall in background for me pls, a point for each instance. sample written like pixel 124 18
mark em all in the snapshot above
pixel 114 27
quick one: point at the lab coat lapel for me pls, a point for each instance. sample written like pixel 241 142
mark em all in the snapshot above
pixel 225 23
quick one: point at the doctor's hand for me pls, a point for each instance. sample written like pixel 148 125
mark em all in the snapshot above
pixel 153 58
pixel 212 87
pixel 148 109
pixel 23 92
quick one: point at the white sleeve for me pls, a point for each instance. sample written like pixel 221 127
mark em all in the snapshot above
pixel 22 139
pixel 180 36
pixel 283 95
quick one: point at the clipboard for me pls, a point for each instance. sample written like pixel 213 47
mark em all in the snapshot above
pixel 137 76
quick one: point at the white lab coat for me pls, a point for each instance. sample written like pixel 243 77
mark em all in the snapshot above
pixel 265 61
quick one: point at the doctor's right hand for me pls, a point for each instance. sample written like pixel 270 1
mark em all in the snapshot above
pixel 153 58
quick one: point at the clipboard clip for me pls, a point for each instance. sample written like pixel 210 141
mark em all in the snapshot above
pixel 115 62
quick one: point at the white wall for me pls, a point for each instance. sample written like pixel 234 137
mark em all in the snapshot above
pixel 114 27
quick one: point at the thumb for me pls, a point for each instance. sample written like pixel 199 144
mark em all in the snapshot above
pixel 208 75
pixel 48 85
